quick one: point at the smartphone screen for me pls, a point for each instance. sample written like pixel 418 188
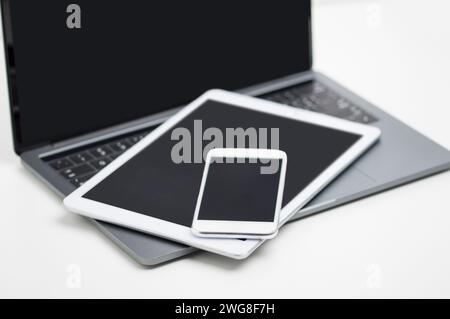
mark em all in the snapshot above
pixel 240 190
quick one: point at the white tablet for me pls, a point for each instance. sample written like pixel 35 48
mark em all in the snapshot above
pixel 153 187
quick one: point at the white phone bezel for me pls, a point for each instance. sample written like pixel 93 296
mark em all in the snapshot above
pixel 240 229
pixel 233 248
pixel 236 236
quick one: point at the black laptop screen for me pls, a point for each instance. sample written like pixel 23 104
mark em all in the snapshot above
pixel 135 58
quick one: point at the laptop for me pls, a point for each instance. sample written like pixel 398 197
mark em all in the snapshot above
pixel 88 80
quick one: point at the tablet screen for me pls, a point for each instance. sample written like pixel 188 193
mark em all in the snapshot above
pixel 163 180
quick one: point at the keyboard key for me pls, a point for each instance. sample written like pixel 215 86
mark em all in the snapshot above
pixel 342 103
pixel 101 151
pixel 100 163
pixel 78 181
pixel 77 171
pixel 114 156
pixel 120 146
pixel 367 118
pixel 80 158
pixel 133 140
pixel 61 163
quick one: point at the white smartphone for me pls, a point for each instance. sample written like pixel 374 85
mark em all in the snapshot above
pixel 240 194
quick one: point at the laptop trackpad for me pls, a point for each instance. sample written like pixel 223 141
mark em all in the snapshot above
pixel 350 182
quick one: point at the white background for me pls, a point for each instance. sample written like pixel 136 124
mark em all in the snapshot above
pixel 396 54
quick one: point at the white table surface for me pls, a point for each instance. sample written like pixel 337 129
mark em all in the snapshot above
pixel 395 53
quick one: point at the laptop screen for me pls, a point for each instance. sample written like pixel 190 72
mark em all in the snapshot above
pixel 78 68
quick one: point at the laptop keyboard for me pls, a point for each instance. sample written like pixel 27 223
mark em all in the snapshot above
pixel 79 165
pixel 314 96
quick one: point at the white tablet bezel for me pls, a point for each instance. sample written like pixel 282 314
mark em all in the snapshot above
pixel 233 248
pixel 240 229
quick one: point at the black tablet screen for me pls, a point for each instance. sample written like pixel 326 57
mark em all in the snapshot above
pixel 157 184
